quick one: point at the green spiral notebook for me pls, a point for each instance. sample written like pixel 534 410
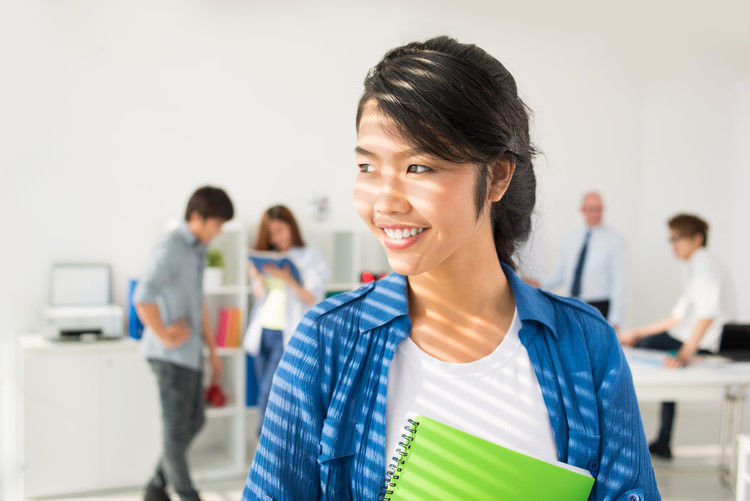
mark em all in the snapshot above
pixel 441 462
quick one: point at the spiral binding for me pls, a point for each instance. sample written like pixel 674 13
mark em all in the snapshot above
pixel 395 467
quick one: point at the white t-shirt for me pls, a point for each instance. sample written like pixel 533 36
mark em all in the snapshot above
pixel 706 295
pixel 497 398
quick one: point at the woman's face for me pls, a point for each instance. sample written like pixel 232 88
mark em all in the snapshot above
pixel 421 208
pixel 280 234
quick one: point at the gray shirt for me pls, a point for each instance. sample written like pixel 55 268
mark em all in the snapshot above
pixel 174 281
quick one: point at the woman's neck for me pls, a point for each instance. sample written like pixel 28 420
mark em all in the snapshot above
pixel 461 311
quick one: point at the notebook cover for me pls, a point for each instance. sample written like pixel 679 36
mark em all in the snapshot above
pixel 444 463
pixel 262 258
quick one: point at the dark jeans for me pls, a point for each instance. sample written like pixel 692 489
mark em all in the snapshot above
pixel 664 342
pixel 266 362
pixel 182 415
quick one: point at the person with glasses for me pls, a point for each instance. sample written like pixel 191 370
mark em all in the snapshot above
pixel 695 323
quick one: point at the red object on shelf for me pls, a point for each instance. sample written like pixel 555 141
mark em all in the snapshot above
pixel 370 276
pixel 215 395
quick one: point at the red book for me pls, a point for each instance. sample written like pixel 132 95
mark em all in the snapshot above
pixel 221 328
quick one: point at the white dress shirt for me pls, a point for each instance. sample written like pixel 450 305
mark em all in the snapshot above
pixel 605 268
pixel 706 295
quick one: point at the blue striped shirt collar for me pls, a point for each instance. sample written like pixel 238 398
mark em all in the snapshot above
pixel 388 299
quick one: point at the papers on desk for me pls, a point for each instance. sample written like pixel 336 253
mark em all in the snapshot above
pixel 645 358
pixel 641 356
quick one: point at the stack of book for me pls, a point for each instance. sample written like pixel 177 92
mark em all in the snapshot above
pixel 228 328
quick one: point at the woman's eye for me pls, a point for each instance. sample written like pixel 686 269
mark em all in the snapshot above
pixel 366 168
pixel 418 169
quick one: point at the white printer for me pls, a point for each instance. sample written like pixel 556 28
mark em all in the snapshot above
pixel 80 303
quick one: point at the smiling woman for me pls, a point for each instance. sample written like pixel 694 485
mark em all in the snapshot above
pixel 445 182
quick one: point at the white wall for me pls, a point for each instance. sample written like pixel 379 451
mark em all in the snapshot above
pixel 111 113
pixel 123 108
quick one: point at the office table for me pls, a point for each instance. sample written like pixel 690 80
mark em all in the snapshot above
pixel 702 380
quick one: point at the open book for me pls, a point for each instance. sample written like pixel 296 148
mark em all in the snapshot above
pixel 440 462
pixel 280 259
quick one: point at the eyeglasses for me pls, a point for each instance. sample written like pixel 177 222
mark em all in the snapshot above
pixel 675 238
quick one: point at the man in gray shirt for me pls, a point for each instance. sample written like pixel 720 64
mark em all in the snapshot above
pixel 169 302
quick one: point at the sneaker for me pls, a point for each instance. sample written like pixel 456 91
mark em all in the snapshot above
pixel 660 449
pixel 155 494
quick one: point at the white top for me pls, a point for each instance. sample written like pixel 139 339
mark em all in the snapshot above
pixel 496 398
pixel 706 294
pixel 315 273
pixel 605 268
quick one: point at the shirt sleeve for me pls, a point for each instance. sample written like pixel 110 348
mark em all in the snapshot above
pixel 619 283
pixel 625 469
pixel 315 273
pixel 157 275
pixel 680 309
pixel 558 277
pixel 706 297
pixel 286 461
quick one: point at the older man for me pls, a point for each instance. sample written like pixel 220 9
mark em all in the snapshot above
pixel 593 264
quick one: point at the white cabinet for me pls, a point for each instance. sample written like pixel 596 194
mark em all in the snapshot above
pixel 90 416
pixel 92 419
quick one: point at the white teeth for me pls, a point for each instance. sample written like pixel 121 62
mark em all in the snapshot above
pixel 402 233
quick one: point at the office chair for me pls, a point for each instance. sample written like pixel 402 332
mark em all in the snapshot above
pixel 735 341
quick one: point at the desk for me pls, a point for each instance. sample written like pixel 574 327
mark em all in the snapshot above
pixel 698 381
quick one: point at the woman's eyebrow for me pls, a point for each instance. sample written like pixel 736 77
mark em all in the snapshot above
pixel 409 152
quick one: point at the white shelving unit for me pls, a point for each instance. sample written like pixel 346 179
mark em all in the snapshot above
pixel 220 449
pixel 349 253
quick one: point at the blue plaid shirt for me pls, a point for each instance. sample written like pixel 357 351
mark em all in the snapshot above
pixel 324 432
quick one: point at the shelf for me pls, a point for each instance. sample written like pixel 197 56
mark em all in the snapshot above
pixel 228 410
pixel 226 290
pixel 225 351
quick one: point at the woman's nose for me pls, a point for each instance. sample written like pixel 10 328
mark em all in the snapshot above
pixel 390 196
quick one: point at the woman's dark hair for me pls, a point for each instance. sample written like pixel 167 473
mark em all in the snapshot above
pixel 277 213
pixel 688 225
pixel 208 201
pixel 456 102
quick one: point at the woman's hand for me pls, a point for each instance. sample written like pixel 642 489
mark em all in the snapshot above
pixel 629 338
pixel 256 280
pixel 284 273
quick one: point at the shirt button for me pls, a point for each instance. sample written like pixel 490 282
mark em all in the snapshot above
pixel 634 497
pixel 594 467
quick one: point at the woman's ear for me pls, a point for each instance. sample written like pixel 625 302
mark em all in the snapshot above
pixel 502 173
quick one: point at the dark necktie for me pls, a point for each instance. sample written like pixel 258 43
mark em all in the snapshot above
pixel 575 290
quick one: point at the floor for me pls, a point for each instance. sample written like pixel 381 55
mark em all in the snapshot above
pixel 684 478
pixel 692 475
